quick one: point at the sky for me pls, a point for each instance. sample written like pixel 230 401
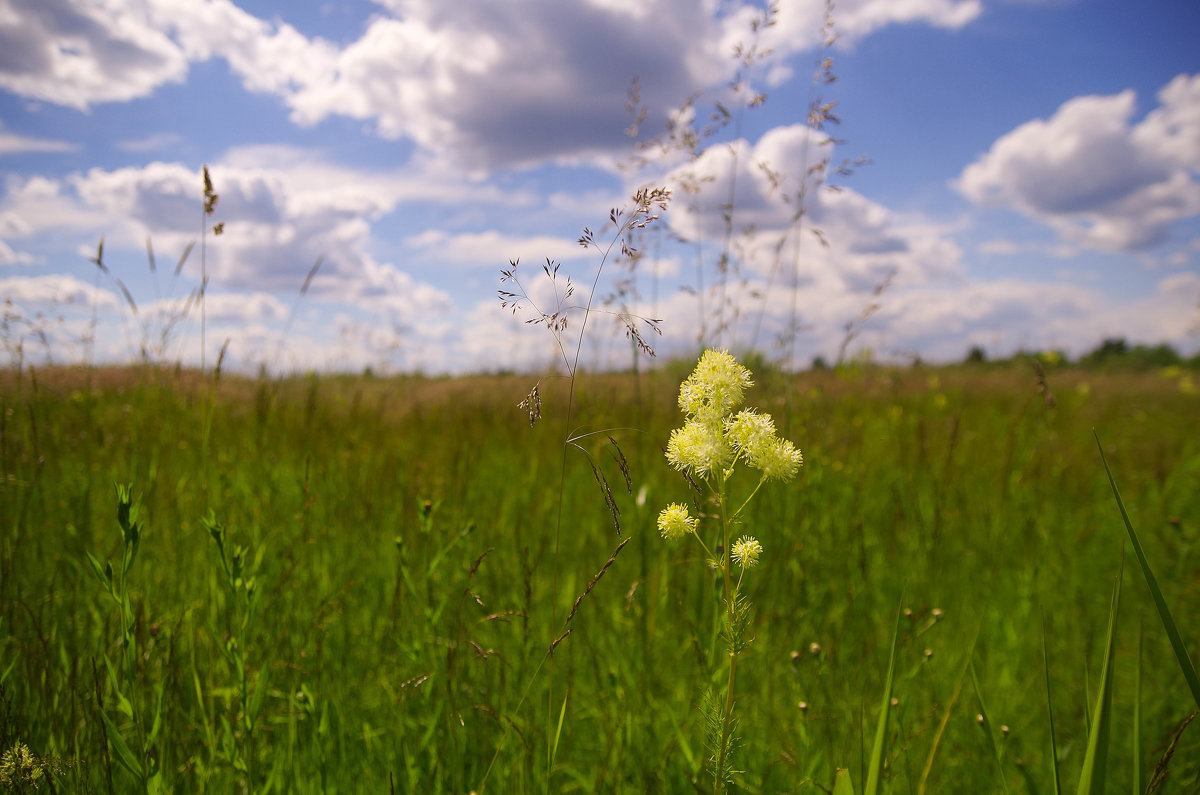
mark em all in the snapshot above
pixel 1008 174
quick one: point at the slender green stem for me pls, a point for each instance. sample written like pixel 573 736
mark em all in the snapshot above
pixel 738 512
pixel 726 574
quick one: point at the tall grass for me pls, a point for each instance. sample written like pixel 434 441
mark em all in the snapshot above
pixel 398 531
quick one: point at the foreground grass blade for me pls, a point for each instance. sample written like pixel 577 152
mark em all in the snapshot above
pixel 1185 662
pixel 987 729
pixel 885 710
pixel 842 784
pixel 1137 719
pixel 1050 712
pixel 562 713
pixel 1095 763
pixel 941 731
pixel 121 748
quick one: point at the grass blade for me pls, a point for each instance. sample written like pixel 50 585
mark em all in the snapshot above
pixel 987 730
pixel 1185 662
pixel 1050 712
pixel 562 713
pixel 121 748
pixel 842 785
pixel 1095 763
pixel 941 730
pixel 877 747
pixel 1137 719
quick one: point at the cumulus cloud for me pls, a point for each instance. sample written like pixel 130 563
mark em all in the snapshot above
pixel 56 290
pixel 501 84
pixel 283 209
pixel 860 242
pixel 800 21
pixel 492 249
pixel 1096 177
pixel 80 54
pixel 488 84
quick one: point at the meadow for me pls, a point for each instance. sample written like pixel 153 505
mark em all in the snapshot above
pixel 350 584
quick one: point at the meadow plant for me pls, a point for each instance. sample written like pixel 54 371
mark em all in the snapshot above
pixel 645 206
pixel 715 438
pixel 238 566
pixel 142 758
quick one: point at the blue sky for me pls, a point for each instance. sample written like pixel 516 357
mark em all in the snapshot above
pixel 1034 177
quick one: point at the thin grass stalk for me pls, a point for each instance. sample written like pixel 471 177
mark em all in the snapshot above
pixel 879 744
pixel 1136 734
pixel 1095 762
pixel 986 723
pixel 1181 654
pixel 1055 777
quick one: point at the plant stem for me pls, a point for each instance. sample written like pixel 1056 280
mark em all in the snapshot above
pixel 727 577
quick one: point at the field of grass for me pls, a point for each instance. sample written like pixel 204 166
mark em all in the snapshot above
pixel 350 584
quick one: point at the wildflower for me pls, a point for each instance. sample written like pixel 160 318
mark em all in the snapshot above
pixel 745 551
pixel 716 387
pixel 779 460
pixel 18 766
pixel 674 521
pixel 750 433
pixel 698 447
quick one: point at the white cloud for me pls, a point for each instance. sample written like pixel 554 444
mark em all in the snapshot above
pixel 497 83
pixel 283 208
pixel 1097 179
pixel 10 257
pixel 55 292
pixel 492 249
pixel 801 21
pixel 79 54
pixel 150 143
pixel 33 205
pixel 487 84
pixel 865 241
pixel 12 144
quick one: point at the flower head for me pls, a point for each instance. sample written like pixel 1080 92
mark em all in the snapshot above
pixel 779 460
pixel 716 387
pixel 698 447
pixel 753 435
pixel 745 551
pixel 750 432
pixel 674 521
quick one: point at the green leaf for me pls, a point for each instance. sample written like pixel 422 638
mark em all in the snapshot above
pixel 121 748
pixel 256 701
pixel 681 737
pixel 878 746
pixel 1095 763
pixel 123 705
pixel 562 713
pixel 842 785
pixel 156 723
pixel 103 573
pixel 1181 655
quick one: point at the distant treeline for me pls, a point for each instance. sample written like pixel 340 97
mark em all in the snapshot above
pixel 1112 352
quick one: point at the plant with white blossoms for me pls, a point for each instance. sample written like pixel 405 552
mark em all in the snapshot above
pixel 715 438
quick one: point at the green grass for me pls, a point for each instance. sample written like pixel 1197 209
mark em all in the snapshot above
pixel 389 615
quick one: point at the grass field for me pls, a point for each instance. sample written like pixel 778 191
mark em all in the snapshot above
pixel 349 584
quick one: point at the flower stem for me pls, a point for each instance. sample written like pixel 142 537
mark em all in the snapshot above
pixel 730 592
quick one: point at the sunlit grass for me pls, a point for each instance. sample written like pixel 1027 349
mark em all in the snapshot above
pixel 399 533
